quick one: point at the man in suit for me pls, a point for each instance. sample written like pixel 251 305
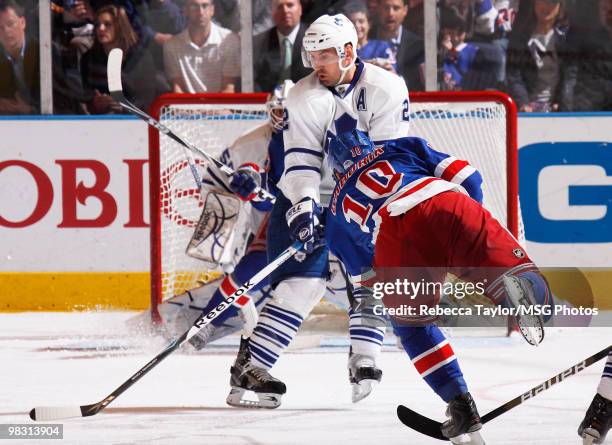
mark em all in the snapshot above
pixel 19 63
pixel 408 47
pixel 277 52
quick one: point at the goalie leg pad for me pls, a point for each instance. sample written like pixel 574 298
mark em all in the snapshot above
pixel 281 318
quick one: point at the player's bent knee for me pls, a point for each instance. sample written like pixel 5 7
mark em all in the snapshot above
pixel 299 294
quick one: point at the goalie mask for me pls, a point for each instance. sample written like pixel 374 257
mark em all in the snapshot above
pixel 276 104
pixel 329 31
pixel 346 149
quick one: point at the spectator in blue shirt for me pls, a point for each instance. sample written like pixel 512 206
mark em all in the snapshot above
pixel 457 55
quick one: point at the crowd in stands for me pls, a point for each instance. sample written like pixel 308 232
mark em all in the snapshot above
pixel 549 55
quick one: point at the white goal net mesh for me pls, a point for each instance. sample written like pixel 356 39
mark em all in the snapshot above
pixel 474 131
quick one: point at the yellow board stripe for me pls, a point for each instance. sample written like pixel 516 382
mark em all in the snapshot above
pixel 68 291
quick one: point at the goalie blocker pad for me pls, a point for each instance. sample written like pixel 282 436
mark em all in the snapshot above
pixel 221 234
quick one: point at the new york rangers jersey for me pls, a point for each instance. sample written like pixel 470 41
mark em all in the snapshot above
pixel 390 181
pixel 375 101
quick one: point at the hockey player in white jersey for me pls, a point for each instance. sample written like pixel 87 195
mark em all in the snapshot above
pixel 341 94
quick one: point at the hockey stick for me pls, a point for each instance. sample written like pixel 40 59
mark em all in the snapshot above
pixel 431 428
pixel 115 88
pixel 46 413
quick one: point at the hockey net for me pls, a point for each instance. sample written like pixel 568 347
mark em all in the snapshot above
pixel 477 126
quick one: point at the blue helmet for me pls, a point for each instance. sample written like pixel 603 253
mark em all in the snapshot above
pixel 347 148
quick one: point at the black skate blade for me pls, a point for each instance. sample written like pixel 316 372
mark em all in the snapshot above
pixel 422 424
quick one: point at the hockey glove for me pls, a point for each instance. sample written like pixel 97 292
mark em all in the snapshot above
pixel 245 180
pixel 304 220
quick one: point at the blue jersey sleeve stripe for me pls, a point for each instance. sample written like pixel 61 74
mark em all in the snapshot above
pixel 302 167
pixel 304 150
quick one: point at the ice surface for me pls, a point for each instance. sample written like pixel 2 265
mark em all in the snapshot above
pixel 79 358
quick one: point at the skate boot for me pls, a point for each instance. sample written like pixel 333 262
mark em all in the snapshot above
pixel 520 297
pixel 246 380
pixel 363 375
pixel 202 338
pixel 597 421
pixel 463 424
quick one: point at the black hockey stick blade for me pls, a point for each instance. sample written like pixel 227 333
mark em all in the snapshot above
pixel 431 428
pixel 420 423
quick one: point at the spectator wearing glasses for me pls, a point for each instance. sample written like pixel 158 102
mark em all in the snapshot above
pixel 141 84
pixel 539 71
pixel 205 57
pixel 277 52
pixel 19 63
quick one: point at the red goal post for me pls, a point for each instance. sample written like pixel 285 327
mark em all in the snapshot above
pixel 480 127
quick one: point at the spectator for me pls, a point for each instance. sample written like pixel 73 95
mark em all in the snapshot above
pixel 592 41
pixel 140 83
pixel 489 23
pixel 144 33
pixel 464 65
pixel 539 71
pixel 407 47
pixel 377 52
pixel 19 63
pixel 277 53
pixel 227 14
pixel 163 19
pixel 204 57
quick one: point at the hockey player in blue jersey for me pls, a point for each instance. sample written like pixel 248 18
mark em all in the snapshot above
pixel 404 204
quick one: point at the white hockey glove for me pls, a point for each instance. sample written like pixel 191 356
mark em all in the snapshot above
pixel 304 220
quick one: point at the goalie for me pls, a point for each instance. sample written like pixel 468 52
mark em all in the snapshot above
pixel 233 238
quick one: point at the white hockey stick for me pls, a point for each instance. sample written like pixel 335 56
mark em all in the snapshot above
pixel 115 88
pixel 47 413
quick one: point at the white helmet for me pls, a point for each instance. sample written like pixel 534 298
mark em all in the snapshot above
pixel 276 103
pixel 329 31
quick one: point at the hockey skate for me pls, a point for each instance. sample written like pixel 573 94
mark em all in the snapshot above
pixel 597 421
pixel 247 379
pixel 463 424
pixel 363 375
pixel 520 297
